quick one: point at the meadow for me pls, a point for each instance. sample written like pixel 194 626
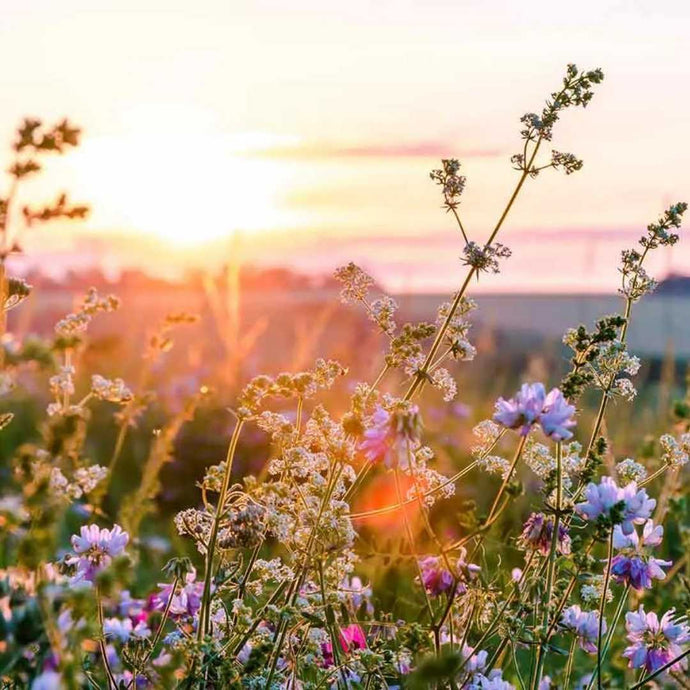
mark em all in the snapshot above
pixel 261 480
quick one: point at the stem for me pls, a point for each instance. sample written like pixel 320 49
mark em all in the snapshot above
pixel 602 607
pixel 419 378
pixel 101 642
pixel 569 665
pixel 204 611
pixel 550 570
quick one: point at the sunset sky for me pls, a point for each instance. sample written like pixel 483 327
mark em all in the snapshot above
pixel 309 128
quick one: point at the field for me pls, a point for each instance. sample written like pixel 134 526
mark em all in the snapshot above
pixel 259 479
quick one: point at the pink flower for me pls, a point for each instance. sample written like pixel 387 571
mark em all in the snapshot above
pixel 392 436
pixel 351 637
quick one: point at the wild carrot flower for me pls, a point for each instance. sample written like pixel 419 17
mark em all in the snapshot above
pixel 633 565
pixel 654 642
pixel 627 506
pixel 94 550
pixel 537 534
pixel 392 436
pixel 585 626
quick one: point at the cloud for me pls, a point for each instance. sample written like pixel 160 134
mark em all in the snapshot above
pixel 437 149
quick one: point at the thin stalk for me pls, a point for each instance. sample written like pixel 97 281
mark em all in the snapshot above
pixel 550 569
pixel 569 664
pixel 602 608
pixel 101 642
pixel 204 611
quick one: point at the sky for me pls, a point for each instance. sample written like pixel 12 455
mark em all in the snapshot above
pixel 302 133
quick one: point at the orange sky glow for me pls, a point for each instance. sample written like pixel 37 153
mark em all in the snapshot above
pixel 302 133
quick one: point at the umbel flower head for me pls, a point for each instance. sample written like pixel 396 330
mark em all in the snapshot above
pixel 94 550
pixel 393 435
pixel 531 405
pixel 633 565
pixel 627 506
pixel 654 642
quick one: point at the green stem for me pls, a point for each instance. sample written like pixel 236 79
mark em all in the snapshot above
pixel 204 611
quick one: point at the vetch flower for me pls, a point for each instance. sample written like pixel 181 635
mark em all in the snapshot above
pixel 537 534
pixel 633 565
pixel 532 405
pixel 351 637
pixel 556 417
pixel 585 626
pixel 654 642
pixel 627 506
pixel 95 548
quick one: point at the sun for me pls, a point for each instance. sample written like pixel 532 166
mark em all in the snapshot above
pixel 185 188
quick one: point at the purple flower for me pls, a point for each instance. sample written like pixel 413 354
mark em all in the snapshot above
pixel 654 642
pixel 392 436
pixel 585 625
pixel 633 565
pixel 186 601
pixel 522 411
pixel 556 417
pixel 435 578
pixel 537 534
pixel 635 506
pixel 531 405
pixel 95 548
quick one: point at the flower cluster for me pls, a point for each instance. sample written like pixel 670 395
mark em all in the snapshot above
pixel 93 550
pixel 530 406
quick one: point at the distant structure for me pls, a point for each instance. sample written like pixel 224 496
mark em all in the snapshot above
pixel 676 285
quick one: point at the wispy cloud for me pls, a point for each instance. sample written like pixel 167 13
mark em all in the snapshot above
pixel 316 149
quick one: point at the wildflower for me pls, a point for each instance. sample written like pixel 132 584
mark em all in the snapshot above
pixel 95 548
pixel 392 436
pixel 123 629
pixel 556 417
pixel 537 534
pixel 382 311
pixel 585 626
pixel 113 391
pixel 676 452
pixel 351 637
pixel 592 591
pixel 442 380
pixel 452 184
pixel 48 680
pixel 356 283
pixel 532 405
pixel 357 594
pixel 474 662
pixel 630 471
pixel 626 506
pixel 494 681
pixel 633 565
pixel 485 258
pixel 185 602
pixel 654 642
pixel 435 578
